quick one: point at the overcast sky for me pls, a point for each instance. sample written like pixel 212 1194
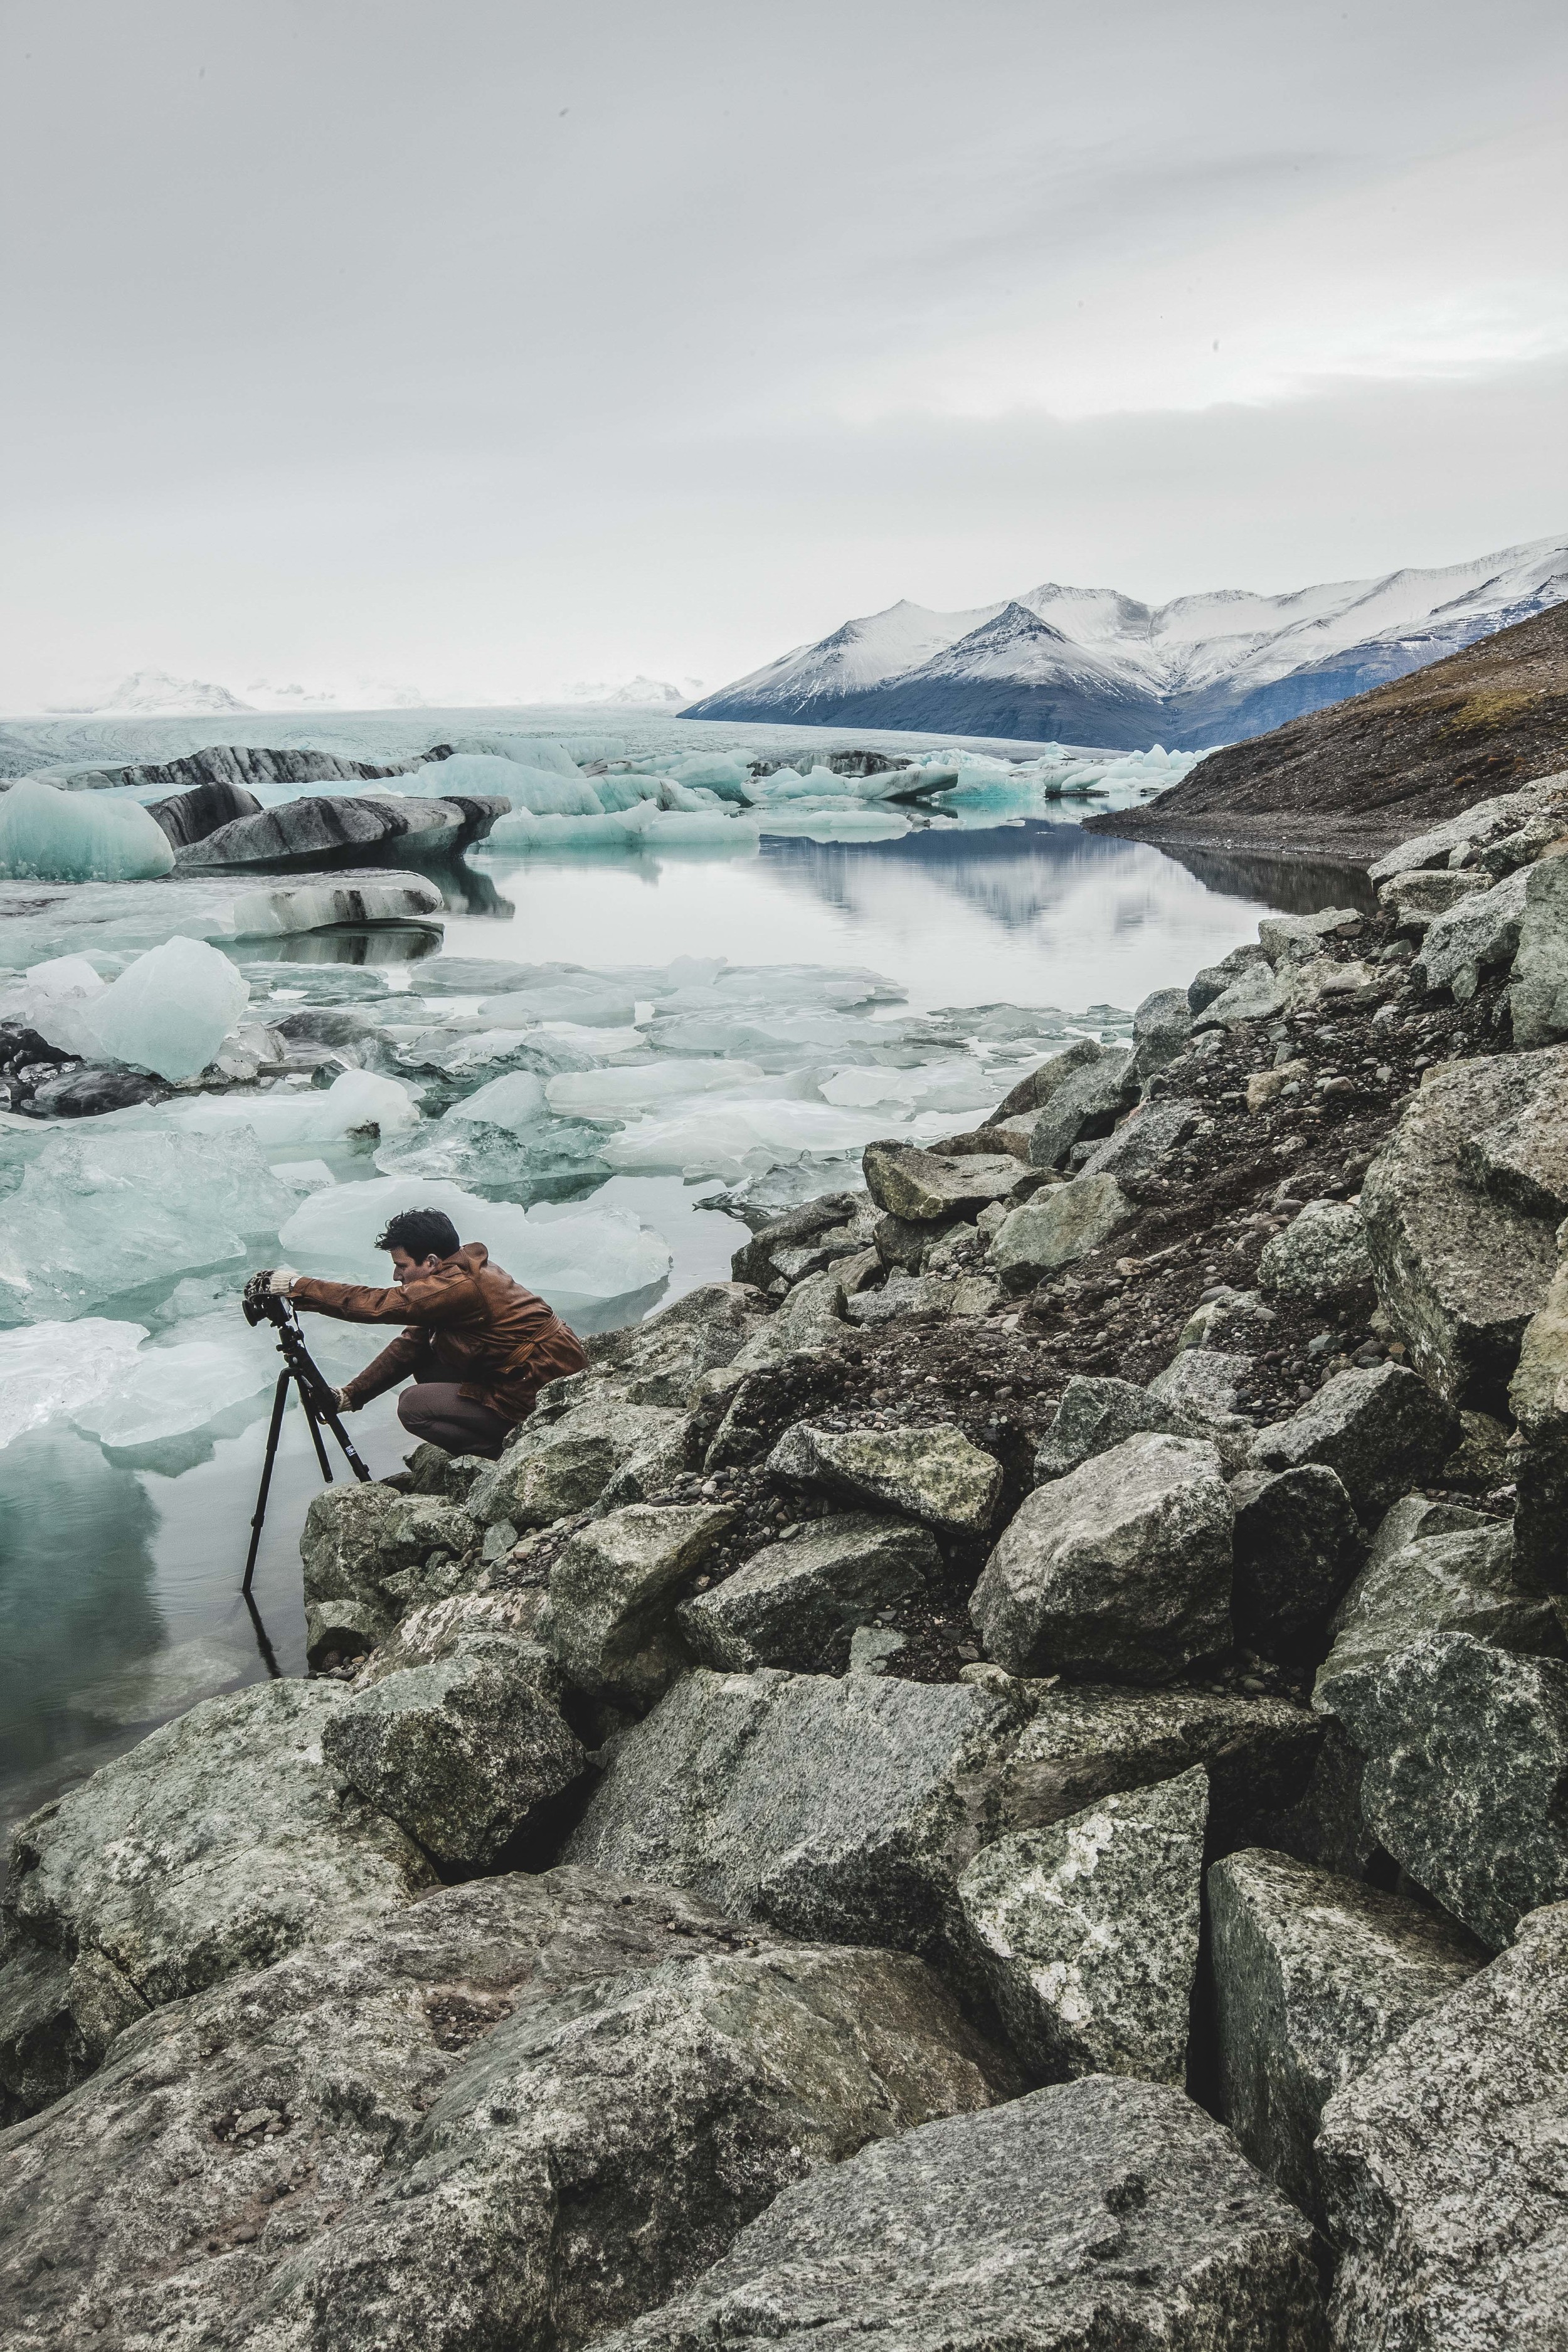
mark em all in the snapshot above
pixel 484 344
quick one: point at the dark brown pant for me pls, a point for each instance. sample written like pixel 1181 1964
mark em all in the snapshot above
pixel 438 1412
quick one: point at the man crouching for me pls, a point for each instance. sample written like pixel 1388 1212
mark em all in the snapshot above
pixel 477 1345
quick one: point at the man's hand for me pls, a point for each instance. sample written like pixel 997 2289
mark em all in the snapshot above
pixel 281 1280
pixel 343 1402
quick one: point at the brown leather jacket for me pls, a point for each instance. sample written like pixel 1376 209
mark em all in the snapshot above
pixel 466 1321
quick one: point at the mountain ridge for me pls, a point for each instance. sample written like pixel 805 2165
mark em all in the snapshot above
pixel 1098 666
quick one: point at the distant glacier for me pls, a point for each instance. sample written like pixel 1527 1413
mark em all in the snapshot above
pixel 1093 665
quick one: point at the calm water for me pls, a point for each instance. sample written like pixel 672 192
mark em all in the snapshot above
pixel 119 1576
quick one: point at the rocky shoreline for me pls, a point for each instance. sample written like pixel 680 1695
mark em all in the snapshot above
pixel 999 1780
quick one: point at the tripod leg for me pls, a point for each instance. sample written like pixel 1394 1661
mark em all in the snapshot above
pixel 315 1425
pixel 346 1441
pixel 279 1399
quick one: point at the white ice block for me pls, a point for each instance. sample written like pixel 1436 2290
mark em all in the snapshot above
pixel 168 1012
pixel 50 1370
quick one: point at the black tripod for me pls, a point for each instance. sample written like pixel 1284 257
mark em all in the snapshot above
pixel 315 1395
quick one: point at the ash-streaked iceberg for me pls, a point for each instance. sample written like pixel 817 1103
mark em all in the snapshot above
pixel 49 1370
pixel 572 1257
pixel 96 1214
pixel 48 836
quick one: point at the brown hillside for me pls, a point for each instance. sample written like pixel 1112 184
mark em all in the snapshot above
pixel 1351 781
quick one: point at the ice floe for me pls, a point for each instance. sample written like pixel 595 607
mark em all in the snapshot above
pixel 54 837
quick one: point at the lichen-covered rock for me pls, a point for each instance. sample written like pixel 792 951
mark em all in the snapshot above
pixel 1086 1934
pixel 613 1594
pixel 1086 1104
pixel 1256 993
pixel 554 1469
pixel 1467 1775
pixel 790 1600
pixel 463 1752
pixel 811 1317
pixel 1297 1546
pixel 1444 2167
pixel 1462 1583
pixel 1162 1025
pixel 1118 1573
pixel 1034 1091
pixel 1322 1255
pixel 1100 2214
pixel 217 1843
pixel 1056 1229
pixel 1381 1431
pixel 1483 822
pixel 527 2108
pixel 1097 1412
pixel 1460 1268
pixel 1538 987
pixel 1085 1742
pixel 800 1228
pixel 1315 1976
pixel 843 1809
pixel 928 1187
pixel 1414 899
pixel 1522 1158
pixel 1203 1384
pixel 935 1474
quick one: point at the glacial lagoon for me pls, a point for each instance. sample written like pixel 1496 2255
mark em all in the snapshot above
pixel 738 1005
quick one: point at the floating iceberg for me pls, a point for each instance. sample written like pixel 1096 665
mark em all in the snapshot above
pixel 516 1101
pixel 359 1102
pixel 172 1387
pixel 734 1138
pixel 572 1258
pixel 626 1092
pixel 102 1214
pixel 48 836
pixel 48 1370
pixel 169 1012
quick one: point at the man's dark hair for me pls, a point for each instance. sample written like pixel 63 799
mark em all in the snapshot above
pixel 422 1232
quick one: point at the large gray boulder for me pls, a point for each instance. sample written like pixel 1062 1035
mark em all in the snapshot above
pixel 1118 1573
pixel 1444 2167
pixel 1522 1158
pixel 799 1236
pixel 1314 1977
pixel 554 1469
pixel 1085 1742
pixel 1145 1138
pixel 1459 1268
pixel 1460 1583
pixel 1093 2214
pixel 843 1809
pixel 1085 1105
pixel 1056 1229
pixel 1036 1089
pixel 522 2111
pixel 1086 1934
pixel 217 1843
pixel 1297 1545
pixel 1201 1384
pixel 1478 932
pixel 1473 828
pixel 660 1361
pixel 368 1552
pixel 1162 1025
pixel 1097 1412
pixel 614 1592
pixel 463 1752
pixel 935 1475
pixel 810 1318
pixel 1414 899
pixel 1467 1775
pixel 1256 993
pixel 789 1601
pixel 1381 1431
pixel 1538 1398
pixel 1321 1254
pixel 1538 989
pixel 933 1188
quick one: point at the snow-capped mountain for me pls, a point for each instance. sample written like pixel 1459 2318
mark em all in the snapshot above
pixel 154 694
pixel 1092 665
pixel 637 693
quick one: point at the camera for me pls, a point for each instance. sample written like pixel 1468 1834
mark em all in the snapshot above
pixel 258 1304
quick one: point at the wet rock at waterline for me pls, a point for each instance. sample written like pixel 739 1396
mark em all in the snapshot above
pixel 1086 1934
pixel 1100 2212
pixel 1118 1573
pixel 559 2095
pixel 838 1808
pixel 367 1550
pixel 217 1843
pixel 1315 1977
